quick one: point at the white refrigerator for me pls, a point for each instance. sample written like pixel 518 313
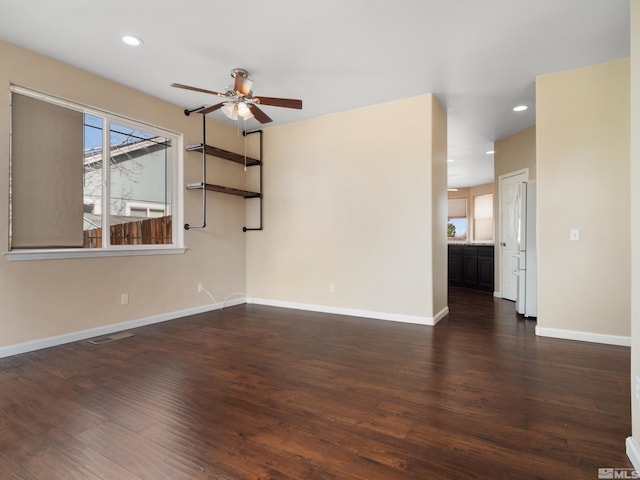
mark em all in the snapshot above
pixel 524 224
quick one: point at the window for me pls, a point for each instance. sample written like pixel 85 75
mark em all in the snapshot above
pixel 457 224
pixel 65 195
pixel 483 217
pixel 151 210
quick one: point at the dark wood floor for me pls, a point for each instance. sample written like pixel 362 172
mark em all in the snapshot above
pixel 256 392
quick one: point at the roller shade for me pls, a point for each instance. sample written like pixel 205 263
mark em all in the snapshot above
pixel 483 217
pixel 457 208
pixel 46 174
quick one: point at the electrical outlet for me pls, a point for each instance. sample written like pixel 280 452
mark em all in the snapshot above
pixel 124 299
pixel 200 287
pixel 638 389
pixel 332 287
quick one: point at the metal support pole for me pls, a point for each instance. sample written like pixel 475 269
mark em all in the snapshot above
pixel 247 229
pixel 188 112
pixel 204 173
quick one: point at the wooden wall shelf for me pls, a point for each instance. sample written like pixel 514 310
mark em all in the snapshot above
pixel 205 150
pixel 222 189
pixel 225 154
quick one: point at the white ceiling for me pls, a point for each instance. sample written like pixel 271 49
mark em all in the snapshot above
pixel 480 57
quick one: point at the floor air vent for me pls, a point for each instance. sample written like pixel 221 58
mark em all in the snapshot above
pixel 110 338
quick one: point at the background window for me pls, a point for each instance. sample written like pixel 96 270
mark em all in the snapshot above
pixel 483 217
pixel 457 224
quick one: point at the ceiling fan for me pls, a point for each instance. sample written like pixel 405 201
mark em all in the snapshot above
pixel 240 101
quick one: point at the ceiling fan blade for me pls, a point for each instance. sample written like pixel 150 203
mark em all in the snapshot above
pixel 259 114
pixel 196 89
pixel 212 108
pixel 279 102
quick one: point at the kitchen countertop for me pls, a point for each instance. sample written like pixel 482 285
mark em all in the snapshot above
pixel 473 244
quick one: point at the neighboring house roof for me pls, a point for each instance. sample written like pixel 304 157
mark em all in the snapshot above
pixel 128 151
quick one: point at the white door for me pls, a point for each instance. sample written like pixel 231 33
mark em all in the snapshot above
pixel 508 244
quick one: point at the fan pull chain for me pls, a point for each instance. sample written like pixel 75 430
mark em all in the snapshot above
pixel 245 144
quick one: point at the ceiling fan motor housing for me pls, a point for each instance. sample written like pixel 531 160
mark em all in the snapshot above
pixel 242 85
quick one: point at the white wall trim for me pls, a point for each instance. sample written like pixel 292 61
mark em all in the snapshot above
pixel 633 453
pixel 497 294
pixel 584 336
pixel 39 344
pixel 440 315
pixel 107 329
pixel 394 317
pixel 115 251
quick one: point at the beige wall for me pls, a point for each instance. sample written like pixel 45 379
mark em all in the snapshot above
pixel 515 152
pixel 352 199
pixel 635 213
pixel 512 153
pixel 356 211
pixel 40 299
pixel 438 164
pixel 583 182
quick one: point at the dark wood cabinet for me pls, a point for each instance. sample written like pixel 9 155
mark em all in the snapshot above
pixel 485 269
pixel 471 266
pixel 455 265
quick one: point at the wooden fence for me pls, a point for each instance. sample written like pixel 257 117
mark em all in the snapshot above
pixel 147 231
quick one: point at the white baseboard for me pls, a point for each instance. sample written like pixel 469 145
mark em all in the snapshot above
pixel 107 329
pixel 497 294
pixel 394 317
pixel 584 336
pixel 633 453
pixel 440 315
pixel 39 344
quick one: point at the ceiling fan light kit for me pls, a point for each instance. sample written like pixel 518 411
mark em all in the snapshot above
pixel 233 110
pixel 241 102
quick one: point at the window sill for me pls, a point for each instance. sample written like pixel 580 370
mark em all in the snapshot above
pixel 51 254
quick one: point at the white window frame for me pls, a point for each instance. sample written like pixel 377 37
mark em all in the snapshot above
pixel 177 246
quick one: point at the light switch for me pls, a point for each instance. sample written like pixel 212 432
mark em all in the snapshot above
pixel 574 234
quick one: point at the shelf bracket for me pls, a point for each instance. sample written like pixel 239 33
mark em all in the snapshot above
pixel 204 172
pixel 245 133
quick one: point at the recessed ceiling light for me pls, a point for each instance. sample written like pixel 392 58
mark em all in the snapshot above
pixel 450 160
pixel 520 108
pixel 490 152
pixel 452 189
pixel 132 40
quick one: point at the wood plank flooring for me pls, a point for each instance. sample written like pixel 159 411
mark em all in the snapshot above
pixel 254 392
